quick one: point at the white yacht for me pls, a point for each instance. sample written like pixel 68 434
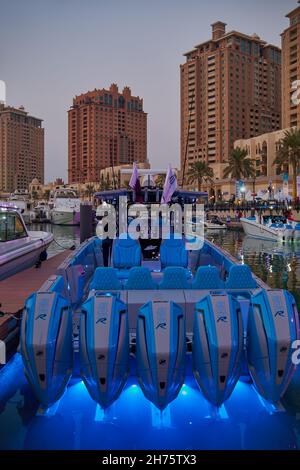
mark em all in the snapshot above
pixel 66 207
pixel 19 248
pixel 21 199
pixel 275 228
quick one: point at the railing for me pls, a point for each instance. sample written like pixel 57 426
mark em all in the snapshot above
pixel 274 206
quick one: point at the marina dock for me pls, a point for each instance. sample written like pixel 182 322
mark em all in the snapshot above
pixel 13 294
pixel 15 289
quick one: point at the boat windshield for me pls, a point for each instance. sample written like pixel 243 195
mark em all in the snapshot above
pixel 274 219
pixel 11 226
pixel 66 195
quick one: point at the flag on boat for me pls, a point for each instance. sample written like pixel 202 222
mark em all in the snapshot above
pixel 170 186
pixel 134 183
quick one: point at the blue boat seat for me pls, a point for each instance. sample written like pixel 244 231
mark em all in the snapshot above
pixel 174 278
pixel 240 277
pixel 140 279
pixel 127 253
pixel 207 277
pixel 173 253
pixel 105 279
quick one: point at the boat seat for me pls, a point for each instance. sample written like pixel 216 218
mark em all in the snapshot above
pixel 240 277
pixel 126 253
pixel 207 277
pixel 173 253
pixel 174 278
pixel 105 279
pixel 140 279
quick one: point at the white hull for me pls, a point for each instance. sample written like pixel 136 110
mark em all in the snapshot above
pixel 64 217
pixel 254 229
pixel 209 226
pixel 18 258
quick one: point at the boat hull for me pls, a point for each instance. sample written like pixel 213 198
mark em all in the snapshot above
pixel 252 229
pixel 14 261
pixel 65 217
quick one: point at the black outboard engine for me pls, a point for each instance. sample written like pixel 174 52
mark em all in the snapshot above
pixel 273 326
pixel 46 345
pixel 160 351
pixel 217 346
pixel 104 347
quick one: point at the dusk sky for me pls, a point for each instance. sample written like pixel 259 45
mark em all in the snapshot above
pixel 51 50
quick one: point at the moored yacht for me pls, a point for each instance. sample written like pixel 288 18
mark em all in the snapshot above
pixel 214 222
pixel 275 228
pixel 19 248
pixel 21 199
pixel 65 207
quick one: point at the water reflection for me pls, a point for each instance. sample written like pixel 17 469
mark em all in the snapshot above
pixel 134 423
pixel 275 263
pixel 64 236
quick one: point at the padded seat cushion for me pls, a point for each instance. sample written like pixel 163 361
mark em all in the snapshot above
pixel 207 277
pixel 174 278
pixel 173 253
pixel 240 277
pixel 140 279
pixel 105 279
pixel 127 253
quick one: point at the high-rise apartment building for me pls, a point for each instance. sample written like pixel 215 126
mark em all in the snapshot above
pixel 291 71
pixel 106 129
pixel 230 89
pixel 21 149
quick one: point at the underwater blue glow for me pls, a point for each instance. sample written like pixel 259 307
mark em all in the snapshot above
pixel 132 422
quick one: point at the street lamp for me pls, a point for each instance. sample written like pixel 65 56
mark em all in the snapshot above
pixel 243 191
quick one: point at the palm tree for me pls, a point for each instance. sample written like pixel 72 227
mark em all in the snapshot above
pixel 239 165
pixel 160 181
pixel 46 194
pixel 288 154
pixel 199 172
pixel 89 191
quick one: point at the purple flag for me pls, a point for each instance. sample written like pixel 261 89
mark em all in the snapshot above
pixel 170 186
pixel 134 183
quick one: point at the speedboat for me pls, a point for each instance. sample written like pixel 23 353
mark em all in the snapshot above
pixel 275 228
pixel 19 248
pixel 214 223
pixel 109 305
pixel 65 207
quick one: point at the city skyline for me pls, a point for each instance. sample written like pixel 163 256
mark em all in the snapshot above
pixel 62 49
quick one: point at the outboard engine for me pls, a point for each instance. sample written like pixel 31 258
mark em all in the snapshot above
pixel 46 345
pixel 104 347
pixel 273 326
pixel 160 351
pixel 217 346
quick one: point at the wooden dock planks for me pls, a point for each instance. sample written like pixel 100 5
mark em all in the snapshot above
pixel 15 289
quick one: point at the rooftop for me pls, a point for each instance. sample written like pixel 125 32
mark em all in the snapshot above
pixel 296 10
pixel 220 24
